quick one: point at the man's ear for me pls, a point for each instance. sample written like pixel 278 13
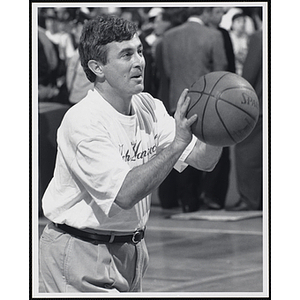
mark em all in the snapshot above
pixel 97 68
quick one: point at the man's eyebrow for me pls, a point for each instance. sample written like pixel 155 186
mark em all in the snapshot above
pixel 126 50
pixel 140 46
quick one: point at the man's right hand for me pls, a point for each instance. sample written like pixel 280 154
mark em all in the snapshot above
pixel 183 125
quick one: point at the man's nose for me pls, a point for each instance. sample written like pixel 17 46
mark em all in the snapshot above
pixel 139 60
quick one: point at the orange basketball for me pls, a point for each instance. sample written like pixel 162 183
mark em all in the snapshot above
pixel 227 108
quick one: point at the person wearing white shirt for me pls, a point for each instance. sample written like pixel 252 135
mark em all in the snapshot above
pixel 114 148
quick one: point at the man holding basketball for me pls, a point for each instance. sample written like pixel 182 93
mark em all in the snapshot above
pixel 114 148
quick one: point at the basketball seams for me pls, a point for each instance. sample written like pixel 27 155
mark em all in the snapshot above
pixel 232 104
pixel 201 92
pixel 205 106
pixel 215 87
pixel 237 88
pixel 210 94
pixel 236 106
pixel 223 123
pixel 206 103
pixel 228 102
pixel 196 92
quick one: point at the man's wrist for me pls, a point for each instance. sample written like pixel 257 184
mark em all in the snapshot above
pixel 178 145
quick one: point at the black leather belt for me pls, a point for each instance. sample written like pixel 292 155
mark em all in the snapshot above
pixel 133 238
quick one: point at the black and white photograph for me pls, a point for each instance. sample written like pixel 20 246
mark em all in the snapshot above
pixel 150 148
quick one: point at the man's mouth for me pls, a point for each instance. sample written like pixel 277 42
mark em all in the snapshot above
pixel 138 76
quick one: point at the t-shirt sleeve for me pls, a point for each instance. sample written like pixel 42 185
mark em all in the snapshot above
pixel 181 164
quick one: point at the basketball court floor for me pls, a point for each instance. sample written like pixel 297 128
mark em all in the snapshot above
pixel 204 256
pixel 211 257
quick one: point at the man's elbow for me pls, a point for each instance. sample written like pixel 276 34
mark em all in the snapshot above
pixel 210 167
pixel 127 202
pixel 207 166
pixel 209 163
pixel 124 204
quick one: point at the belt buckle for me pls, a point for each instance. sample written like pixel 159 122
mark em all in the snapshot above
pixel 137 236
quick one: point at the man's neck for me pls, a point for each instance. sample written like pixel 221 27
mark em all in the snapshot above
pixel 118 102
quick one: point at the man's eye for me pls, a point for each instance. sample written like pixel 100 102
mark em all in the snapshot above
pixel 126 54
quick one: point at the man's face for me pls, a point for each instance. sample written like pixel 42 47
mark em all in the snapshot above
pixel 239 24
pixel 216 15
pixel 124 70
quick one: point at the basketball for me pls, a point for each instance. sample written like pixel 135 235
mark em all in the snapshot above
pixel 227 108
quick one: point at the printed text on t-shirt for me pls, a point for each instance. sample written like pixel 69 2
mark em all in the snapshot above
pixel 137 152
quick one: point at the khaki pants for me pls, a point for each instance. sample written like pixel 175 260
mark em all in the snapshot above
pixel 68 264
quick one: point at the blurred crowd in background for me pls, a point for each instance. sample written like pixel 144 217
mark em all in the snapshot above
pixel 62 82
pixel 60 28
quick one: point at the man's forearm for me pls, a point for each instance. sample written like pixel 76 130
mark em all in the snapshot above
pixel 142 180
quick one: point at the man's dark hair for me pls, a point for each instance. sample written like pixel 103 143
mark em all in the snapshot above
pixel 198 11
pixel 96 34
pixel 175 15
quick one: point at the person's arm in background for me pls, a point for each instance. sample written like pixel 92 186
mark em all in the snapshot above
pixel 253 62
pixel 219 59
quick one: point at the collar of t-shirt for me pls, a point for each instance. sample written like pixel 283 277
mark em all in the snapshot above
pixel 195 19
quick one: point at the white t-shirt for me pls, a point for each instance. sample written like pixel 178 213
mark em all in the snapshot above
pixel 97 147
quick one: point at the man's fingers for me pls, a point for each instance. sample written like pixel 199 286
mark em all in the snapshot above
pixel 183 103
pixel 182 98
pixel 183 124
pixel 191 120
pixel 182 107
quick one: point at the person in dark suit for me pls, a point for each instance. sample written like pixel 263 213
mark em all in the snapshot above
pixel 215 184
pixel 173 17
pixel 214 21
pixel 248 153
pixel 168 19
pixel 190 51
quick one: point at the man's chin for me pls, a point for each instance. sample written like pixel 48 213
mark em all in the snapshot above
pixel 139 88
